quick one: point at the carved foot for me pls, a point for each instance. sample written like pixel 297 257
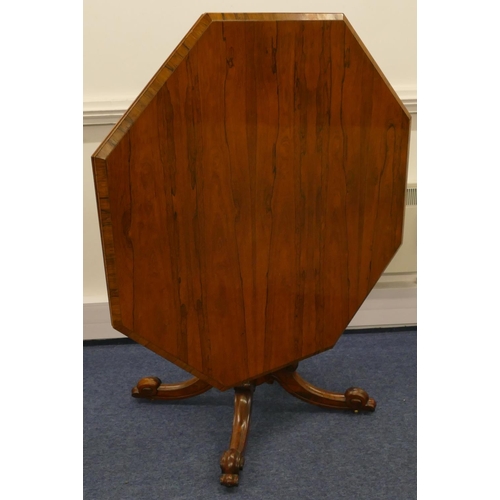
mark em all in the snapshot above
pixel 231 463
pixel 232 460
pixel 354 398
pixel 152 388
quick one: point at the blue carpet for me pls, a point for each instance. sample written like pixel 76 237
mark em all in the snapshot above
pixel 142 450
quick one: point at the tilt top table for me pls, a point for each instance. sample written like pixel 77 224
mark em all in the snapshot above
pixel 249 200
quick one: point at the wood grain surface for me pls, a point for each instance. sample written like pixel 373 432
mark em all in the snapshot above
pixel 252 195
pixel 233 459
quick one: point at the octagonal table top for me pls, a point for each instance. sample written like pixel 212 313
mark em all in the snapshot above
pixel 252 195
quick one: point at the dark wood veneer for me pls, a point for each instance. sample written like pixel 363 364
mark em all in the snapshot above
pixel 252 195
pixel 249 200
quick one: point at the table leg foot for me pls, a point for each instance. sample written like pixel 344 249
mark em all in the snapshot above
pixel 152 388
pixel 232 460
pixel 354 398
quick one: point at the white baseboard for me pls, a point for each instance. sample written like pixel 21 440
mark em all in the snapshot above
pixel 97 322
pixel 392 303
pixel 387 307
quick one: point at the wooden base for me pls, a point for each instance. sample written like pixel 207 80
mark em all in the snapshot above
pixel 232 461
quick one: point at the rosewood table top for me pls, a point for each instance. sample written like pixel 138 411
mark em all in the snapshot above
pixel 252 195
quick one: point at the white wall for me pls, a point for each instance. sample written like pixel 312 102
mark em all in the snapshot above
pixel 126 41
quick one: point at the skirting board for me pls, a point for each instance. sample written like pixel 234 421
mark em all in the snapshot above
pixel 384 307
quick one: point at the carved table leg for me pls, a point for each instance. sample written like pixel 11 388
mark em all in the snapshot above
pixel 354 398
pixel 232 461
pixel 152 388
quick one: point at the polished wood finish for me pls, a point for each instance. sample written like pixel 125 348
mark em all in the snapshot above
pixel 232 460
pixel 252 195
pixel 354 398
pixel 152 388
pixel 248 202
